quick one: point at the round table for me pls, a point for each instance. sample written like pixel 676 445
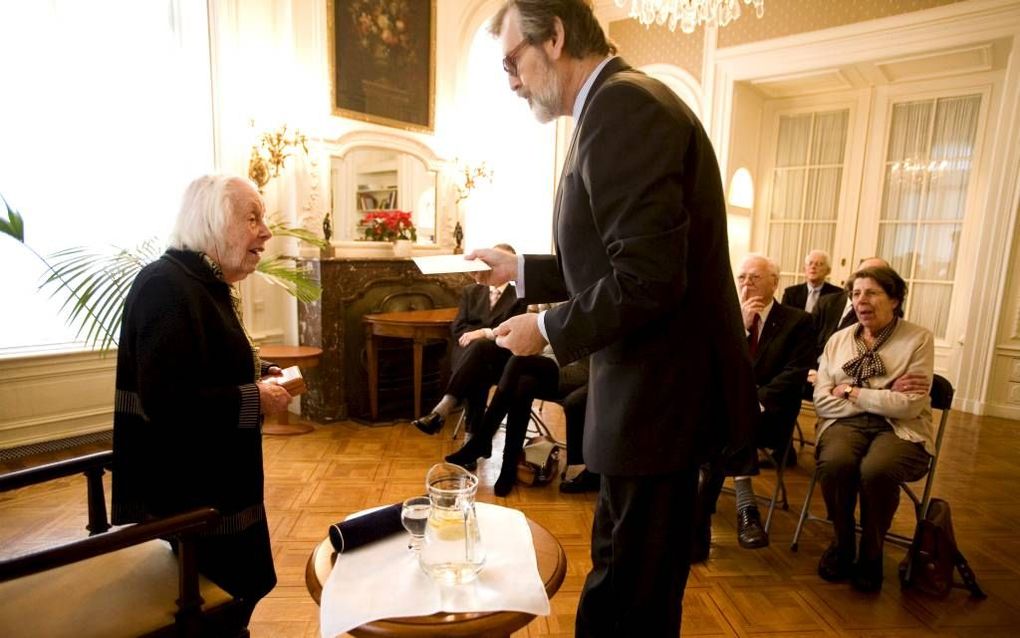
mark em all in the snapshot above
pixel 285 356
pixel 552 566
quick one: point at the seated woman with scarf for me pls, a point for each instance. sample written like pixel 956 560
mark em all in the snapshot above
pixel 871 436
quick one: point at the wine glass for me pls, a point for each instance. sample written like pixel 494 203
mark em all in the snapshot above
pixel 414 515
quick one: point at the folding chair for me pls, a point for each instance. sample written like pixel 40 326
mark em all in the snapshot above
pixel 942 400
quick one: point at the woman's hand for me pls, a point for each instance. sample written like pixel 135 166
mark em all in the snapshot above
pixel 474 335
pixel 273 398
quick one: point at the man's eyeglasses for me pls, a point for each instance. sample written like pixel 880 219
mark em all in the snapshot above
pixel 510 61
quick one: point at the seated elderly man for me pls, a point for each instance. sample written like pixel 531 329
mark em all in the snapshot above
pixel 781 341
pixel 804 296
pixel 477 360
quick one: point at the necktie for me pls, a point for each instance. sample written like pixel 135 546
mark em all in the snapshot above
pixel 494 296
pixel 752 335
pixel 812 299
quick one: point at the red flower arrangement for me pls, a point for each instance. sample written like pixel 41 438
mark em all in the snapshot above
pixel 389 225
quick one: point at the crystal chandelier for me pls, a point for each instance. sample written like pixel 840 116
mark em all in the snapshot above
pixel 688 13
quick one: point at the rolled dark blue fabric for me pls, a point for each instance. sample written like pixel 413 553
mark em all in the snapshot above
pixel 365 529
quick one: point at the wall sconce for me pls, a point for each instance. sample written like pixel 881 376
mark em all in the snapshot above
pixel 741 193
pixel 269 155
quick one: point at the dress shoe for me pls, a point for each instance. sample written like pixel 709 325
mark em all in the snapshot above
pixel 585 481
pixel 867 575
pixel 505 482
pixel 467 456
pixel 750 532
pixel 430 423
pixel 835 565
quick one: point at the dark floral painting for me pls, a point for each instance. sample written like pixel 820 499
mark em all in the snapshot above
pixel 383 61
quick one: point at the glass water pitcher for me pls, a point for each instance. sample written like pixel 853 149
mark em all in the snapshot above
pixel 452 552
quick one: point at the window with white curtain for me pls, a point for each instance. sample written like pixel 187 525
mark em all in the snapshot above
pixel 497 127
pixel 927 170
pixel 807 178
pixel 106 116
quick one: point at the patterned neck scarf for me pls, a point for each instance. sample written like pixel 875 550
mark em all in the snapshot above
pixel 867 363
pixel 235 303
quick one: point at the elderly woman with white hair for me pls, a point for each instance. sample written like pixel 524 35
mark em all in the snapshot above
pixel 189 396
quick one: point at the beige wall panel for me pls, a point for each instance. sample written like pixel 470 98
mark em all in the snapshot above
pixel 787 17
pixel 658 45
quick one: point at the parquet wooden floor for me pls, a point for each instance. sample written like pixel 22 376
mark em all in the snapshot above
pixel 318 478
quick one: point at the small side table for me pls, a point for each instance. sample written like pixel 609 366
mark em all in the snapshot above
pixel 417 325
pixel 552 567
pixel 285 356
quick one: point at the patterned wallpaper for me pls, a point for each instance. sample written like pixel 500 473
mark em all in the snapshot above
pixel 640 46
pixel 786 17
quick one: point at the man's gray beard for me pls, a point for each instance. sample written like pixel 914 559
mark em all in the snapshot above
pixel 546 99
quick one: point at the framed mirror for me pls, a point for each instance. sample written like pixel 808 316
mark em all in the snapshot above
pixel 373 176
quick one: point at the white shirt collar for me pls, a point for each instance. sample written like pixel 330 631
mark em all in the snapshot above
pixel 582 95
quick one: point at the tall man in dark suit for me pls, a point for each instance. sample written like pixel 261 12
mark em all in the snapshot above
pixel 781 341
pixel 805 296
pixel 477 362
pixel 639 228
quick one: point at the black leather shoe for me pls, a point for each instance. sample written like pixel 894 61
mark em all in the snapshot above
pixel 430 423
pixel 750 532
pixel 867 575
pixel 505 483
pixel 835 565
pixel 585 481
pixel 467 456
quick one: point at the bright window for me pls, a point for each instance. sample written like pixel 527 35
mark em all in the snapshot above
pixel 106 115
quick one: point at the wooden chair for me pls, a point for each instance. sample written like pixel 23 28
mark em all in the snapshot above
pixel 126 582
pixel 942 400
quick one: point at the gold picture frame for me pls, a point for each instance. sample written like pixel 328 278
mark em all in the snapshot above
pixel 382 61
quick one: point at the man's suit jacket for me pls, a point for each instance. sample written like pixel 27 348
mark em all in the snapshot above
pixel 827 314
pixel 796 296
pixel 786 350
pixel 473 312
pixel 642 255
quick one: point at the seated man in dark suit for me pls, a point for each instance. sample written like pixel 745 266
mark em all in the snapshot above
pixel 781 340
pixel 476 360
pixel 805 296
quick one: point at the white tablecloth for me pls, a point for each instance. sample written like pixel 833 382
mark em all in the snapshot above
pixel 384 580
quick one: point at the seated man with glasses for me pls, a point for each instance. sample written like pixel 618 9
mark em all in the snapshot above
pixel 781 341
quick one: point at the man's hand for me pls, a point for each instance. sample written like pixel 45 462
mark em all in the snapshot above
pixel 520 335
pixel 749 308
pixel 812 376
pixel 911 384
pixel 471 335
pixel 273 398
pixel 503 264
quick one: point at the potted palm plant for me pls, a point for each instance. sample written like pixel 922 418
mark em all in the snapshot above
pixel 94 282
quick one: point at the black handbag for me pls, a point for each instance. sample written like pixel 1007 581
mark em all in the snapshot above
pixel 933 556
